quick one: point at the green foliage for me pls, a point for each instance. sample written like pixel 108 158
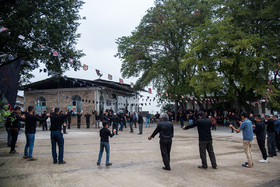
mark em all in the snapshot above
pixel 51 23
pixel 4 112
pixel 154 51
pixel 222 48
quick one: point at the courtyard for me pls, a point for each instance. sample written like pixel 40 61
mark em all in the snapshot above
pixel 136 161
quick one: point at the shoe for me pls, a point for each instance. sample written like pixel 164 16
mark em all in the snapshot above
pixel 247 166
pixel 25 157
pixel 108 164
pixel 164 168
pixel 14 152
pixel 55 162
pixel 275 154
pixel 270 155
pixel 32 159
pixel 202 167
pixel 248 163
pixel 214 167
pixel 98 163
pixel 63 162
pixel 263 161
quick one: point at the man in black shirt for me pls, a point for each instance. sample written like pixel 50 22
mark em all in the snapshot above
pixel 69 114
pixel 57 120
pixel 104 142
pixel 203 125
pixel 260 134
pixel 165 130
pixel 140 123
pixel 79 120
pixel 14 128
pixel 115 121
pixel 88 119
pixel 30 130
pixel 270 129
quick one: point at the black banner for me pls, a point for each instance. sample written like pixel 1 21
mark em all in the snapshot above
pixel 9 77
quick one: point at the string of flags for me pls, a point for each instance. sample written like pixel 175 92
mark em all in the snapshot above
pixel 56 53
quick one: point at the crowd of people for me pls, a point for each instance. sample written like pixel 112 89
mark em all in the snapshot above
pixel 266 128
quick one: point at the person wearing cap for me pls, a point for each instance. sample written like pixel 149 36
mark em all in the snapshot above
pixel 166 131
pixel 203 125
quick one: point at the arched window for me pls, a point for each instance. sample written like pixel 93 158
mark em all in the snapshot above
pixel 77 101
pixel 41 101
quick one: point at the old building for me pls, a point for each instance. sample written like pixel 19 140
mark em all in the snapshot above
pixel 87 95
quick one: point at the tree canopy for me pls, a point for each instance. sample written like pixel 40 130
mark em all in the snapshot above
pixel 220 48
pixel 47 26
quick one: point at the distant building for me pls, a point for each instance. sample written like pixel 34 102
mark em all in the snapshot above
pixel 87 95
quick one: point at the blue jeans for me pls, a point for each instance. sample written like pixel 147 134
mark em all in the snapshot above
pixel 190 122
pixel 148 121
pixel 30 138
pixel 105 145
pixel 57 137
pixel 121 125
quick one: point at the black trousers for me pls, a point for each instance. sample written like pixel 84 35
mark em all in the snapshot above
pixel 14 134
pixel 277 138
pixel 45 125
pixel 165 148
pixel 78 124
pixel 69 122
pixel 261 143
pixel 203 146
pixel 88 124
pixel 115 126
pixel 271 143
pixel 64 129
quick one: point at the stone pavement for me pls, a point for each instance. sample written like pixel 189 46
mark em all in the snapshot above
pixel 136 161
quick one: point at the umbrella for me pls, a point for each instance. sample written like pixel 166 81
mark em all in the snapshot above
pixel 120 112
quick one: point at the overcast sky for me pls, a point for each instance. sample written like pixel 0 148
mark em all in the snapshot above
pixel 105 22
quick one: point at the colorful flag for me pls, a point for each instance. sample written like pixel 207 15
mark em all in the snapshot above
pixel 71 61
pixel 150 90
pixel 85 67
pixel 121 81
pixel 3 29
pixel 55 53
pixel 41 46
pixel 110 77
pixel 21 37
pixel 97 72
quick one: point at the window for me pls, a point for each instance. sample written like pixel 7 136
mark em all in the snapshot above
pixel 77 101
pixel 41 101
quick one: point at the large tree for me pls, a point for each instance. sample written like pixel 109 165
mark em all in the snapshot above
pixel 48 26
pixel 237 50
pixel 155 49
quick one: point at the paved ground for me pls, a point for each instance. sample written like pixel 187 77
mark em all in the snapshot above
pixel 136 162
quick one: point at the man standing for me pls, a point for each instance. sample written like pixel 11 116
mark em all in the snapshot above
pixel 270 129
pixel 14 128
pixel 148 119
pixel 30 130
pixel 79 120
pixel 69 114
pixel 247 130
pixel 88 119
pixel 140 123
pixel 260 135
pixel 57 120
pixel 277 132
pixel 165 130
pixel 203 125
